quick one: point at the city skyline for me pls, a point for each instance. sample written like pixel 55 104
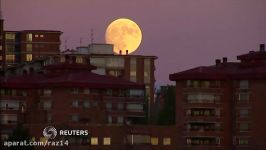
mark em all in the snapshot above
pixel 175 31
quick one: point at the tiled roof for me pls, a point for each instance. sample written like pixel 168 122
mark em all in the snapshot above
pixel 221 71
pixel 67 75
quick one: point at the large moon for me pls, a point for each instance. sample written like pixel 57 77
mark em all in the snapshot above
pixel 124 34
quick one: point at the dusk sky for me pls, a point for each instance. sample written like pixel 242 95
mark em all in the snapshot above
pixel 182 33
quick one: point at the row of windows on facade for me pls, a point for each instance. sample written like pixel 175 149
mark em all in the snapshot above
pixel 212 112
pixel 117 63
pixel 12 36
pixel 130 139
pixel 109 106
pixel 214 97
pixel 214 141
pixel 242 84
pixel 12 58
pixel 214 126
pixel 48 92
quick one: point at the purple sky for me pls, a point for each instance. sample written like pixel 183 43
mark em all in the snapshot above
pixel 182 33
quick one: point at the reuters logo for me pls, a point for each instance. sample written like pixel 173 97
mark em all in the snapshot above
pixel 49 132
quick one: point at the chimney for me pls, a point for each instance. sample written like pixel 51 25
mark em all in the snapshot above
pixel 126 52
pixel 217 62
pixel 224 59
pixel 262 47
pixel 120 52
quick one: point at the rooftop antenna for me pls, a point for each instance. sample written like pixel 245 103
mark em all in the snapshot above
pixel 1 17
pixel 65 44
pixel 80 41
pixel 92 38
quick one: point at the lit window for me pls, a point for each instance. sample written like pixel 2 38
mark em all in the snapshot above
pixel 94 140
pixel 62 59
pixel 10 58
pixel 29 37
pixel 41 35
pixel 79 60
pixel 29 57
pixel 36 35
pixel 106 141
pixel 167 141
pixel 10 36
pixel 154 140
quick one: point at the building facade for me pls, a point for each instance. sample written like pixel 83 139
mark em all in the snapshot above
pixel 69 95
pixel 221 106
pixel 26 45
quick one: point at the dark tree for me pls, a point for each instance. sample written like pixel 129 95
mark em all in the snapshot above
pixel 167 114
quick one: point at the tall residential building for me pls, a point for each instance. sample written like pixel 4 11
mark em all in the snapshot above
pixel 2 41
pixel 221 107
pixel 26 45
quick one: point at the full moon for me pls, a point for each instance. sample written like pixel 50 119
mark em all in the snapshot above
pixel 124 34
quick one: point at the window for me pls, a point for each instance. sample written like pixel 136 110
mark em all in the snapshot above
pixel 138 139
pixel 106 141
pixel 154 140
pixel 147 70
pixel 41 35
pixel 79 59
pixel 62 59
pixel 49 118
pixel 243 126
pixel 109 106
pixel 47 92
pixel 167 141
pixel 86 104
pixel 133 69
pixel 94 140
pixel 29 47
pixel 136 93
pixel 243 97
pixel 8 119
pixel 28 57
pixel 243 113
pixel 243 141
pixel 8 104
pixel 86 91
pixel 10 36
pixel 203 98
pixel 120 106
pixel 10 48
pixel 135 107
pixel 243 84
pixel 75 103
pixel 29 37
pixel 110 119
pixel 47 105
pixel 1 47
pixel 120 120
pixel 10 58
pixel 75 118
pixel 36 35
